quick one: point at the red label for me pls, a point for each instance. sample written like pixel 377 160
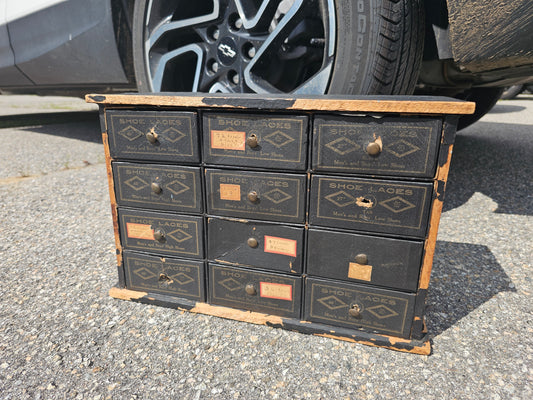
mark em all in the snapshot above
pixel 275 291
pixel 277 245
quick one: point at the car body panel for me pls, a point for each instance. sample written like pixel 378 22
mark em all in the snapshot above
pixel 69 42
pixel 489 35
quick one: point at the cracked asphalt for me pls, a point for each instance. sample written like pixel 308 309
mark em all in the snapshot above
pixel 63 337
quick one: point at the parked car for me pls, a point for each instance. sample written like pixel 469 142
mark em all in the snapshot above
pixel 468 50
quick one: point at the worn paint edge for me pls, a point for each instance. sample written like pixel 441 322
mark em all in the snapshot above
pixel 422 347
pixel 417 105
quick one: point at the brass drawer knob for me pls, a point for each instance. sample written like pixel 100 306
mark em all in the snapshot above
pixel 361 259
pixel 159 235
pixel 156 187
pixel 373 148
pixel 253 196
pixel 252 242
pixel 355 311
pixel 250 289
pixel 152 137
pixel 252 141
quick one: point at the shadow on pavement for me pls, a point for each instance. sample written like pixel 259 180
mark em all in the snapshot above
pixel 500 108
pixel 464 277
pixel 499 165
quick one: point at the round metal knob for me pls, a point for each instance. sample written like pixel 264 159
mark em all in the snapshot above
pixel 373 149
pixel 253 196
pixel 156 187
pixel 152 137
pixel 355 311
pixel 252 141
pixel 361 259
pixel 250 289
pixel 159 235
pixel 252 242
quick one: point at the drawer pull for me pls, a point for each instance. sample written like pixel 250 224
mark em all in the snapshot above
pixel 250 289
pixel 253 196
pixel 361 259
pixel 252 141
pixel 355 311
pixel 159 235
pixel 156 188
pixel 252 242
pixel 152 137
pixel 373 148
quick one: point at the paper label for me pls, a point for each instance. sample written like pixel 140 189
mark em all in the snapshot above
pixel 362 272
pixel 279 245
pixel 230 192
pixel 139 231
pixel 275 291
pixel 228 140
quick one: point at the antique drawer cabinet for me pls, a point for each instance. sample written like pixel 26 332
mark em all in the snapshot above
pixel 318 215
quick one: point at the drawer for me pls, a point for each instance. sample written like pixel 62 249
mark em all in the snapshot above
pixel 162 187
pixel 161 233
pixel 153 135
pixel 255 244
pixel 371 205
pixel 170 276
pixel 384 146
pixel 358 306
pixel 381 261
pixel 254 140
pixel 260 195
pixel 262 292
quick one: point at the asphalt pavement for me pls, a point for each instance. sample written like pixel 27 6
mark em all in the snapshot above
pixel 62 336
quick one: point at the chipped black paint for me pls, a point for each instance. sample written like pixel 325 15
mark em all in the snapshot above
pixel 249 102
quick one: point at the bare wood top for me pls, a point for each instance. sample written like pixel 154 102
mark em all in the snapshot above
pixel 373 104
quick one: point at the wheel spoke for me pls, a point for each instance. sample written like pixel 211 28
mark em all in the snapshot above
pixel 192 49
pixel 256 18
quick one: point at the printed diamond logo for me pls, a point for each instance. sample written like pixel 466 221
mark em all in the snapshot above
pixel 182 278
pixel 277 196
pixel 382 311
pixel 278 139
pixel 397 204
pixel 130 133
pixel 341 198
pixel 173 134
pixel 332 302
pixel 343 146
pixel 176 187
pixel 230 284
pixel 144 273
pixel 402 148
pixel 136 183
pixel 179 235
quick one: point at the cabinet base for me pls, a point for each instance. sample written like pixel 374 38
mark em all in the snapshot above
pixel 421 346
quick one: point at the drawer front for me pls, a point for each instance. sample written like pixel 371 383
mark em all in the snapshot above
pixel 358 306
pixel 153 135
pixel 255 291
pixel 170 276
pixel 256 140
pixel 371 205
pixel 161 233
pixel 255 244
pixel 376 260
pixel 276 197
pixel 162 187
pixel 385 146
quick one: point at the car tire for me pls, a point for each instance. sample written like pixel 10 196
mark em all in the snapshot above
pixel 511 92
pixel 376 49
pixel 485 99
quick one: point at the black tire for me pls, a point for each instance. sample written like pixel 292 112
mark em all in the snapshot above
pixel 377 50
pixel 511 92
pixel 485 99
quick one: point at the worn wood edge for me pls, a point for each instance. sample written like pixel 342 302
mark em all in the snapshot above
pixel 112 198
pixel 422 347
pixel 371 104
